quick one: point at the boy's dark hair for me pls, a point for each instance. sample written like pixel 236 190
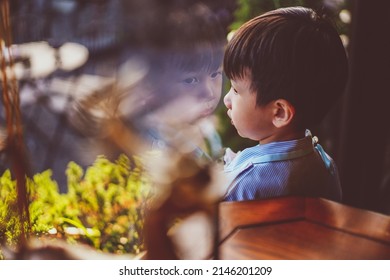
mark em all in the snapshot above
pixel 292 54
pixel 183 34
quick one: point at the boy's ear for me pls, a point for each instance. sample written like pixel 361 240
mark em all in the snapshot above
pixel 283 113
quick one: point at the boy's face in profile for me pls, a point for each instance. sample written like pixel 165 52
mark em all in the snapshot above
pixel 251 121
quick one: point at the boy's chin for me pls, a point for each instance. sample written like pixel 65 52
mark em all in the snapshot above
pixel 243 135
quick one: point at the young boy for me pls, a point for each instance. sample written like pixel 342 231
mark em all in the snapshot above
pixel 287 68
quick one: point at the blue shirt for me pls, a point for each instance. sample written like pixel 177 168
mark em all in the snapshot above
pixel 296 167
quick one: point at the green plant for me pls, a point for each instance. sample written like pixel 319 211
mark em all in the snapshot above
pixel 104 207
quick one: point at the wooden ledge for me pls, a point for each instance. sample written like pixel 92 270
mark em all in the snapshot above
pixel 301 228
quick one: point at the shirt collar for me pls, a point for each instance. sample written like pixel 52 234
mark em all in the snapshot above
pixel 270 148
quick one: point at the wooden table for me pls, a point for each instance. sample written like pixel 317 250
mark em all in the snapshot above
pixel 301 228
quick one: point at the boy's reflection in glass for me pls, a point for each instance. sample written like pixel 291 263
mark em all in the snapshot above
pixel 173 103
pixel 172 106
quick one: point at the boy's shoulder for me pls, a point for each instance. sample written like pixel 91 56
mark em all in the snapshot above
pixel 268 153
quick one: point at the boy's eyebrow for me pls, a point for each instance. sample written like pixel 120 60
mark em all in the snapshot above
pixel 188 73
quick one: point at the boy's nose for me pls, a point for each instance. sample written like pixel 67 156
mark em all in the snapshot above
pixel 227 101
pixel 208 90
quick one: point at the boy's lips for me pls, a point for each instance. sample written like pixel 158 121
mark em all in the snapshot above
pixel 207 112
pixel 209 108
pixel 229 113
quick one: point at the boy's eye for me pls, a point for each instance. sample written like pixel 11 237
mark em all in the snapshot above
pixel 215 74
pixel 234 90
pixel 191 80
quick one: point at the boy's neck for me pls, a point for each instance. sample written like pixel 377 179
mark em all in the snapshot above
pixel 283 135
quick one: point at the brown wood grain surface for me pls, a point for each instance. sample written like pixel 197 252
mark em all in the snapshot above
pixel 301 228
